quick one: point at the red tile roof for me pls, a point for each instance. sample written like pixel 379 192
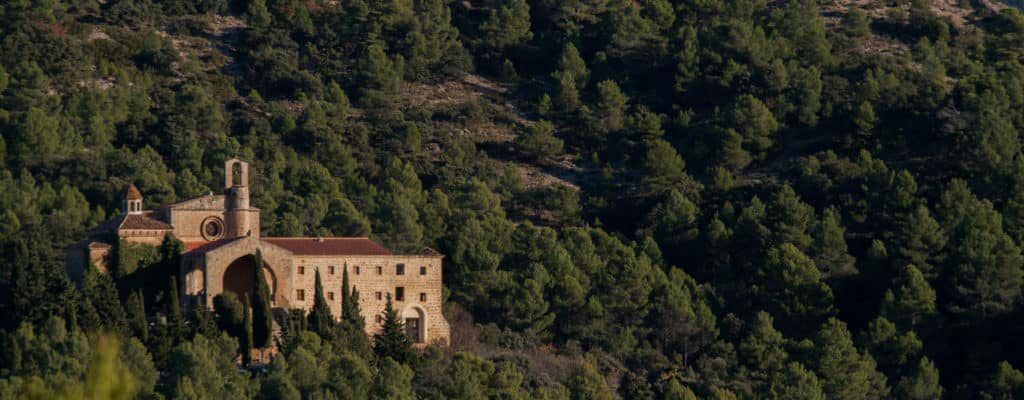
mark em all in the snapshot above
pixel 133 193
pixel 202 247
pixel 139 221
pixel 354 246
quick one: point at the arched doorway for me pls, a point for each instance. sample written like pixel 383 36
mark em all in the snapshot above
pixel 240 275
pixel 415 320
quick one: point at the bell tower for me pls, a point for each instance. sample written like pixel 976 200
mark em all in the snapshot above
pixel 236 207
pixel 133 200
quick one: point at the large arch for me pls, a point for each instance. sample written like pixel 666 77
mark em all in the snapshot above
pixel 239 277
pixel 415 319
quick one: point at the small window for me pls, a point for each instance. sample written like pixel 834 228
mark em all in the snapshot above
pixel 400 269
pixel 399 293
pixel 423 270
pixel 423 297
pixel 331 269
pixel 380 270
pixel 330 295
pixel 300 295
pixel 380 319
pixel 380 295
pixel 357 270
pixel 302 270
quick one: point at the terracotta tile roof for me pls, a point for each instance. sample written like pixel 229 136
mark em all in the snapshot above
pixel 202 247
pixel 139 221
pixel 356 246
pixel 133 193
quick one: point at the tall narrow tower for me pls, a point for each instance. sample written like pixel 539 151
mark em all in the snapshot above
pixel 236 207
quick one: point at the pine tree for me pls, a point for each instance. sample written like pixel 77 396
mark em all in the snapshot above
pixel 611 106
pixel 830 252
pixel 922 384
pixel 540 140
pixel 320 319
pixel 262 318
pixel 573 65
pixel 793 289
pixel 912 302
pixel 796 383
pixel 920 241
pixel 845 373
pixel 585 383
pixel 392 341
pixel 762 351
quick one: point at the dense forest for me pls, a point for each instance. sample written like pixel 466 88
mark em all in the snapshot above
pixel 651 199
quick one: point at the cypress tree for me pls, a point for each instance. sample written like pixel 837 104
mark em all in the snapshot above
pixel 174 305
pixel 392 340
pixel 245 341
pixel 262 318
pixel 320 320
pixel 350 312
pixel 137 313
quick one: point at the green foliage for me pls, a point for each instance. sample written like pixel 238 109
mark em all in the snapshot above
pixel 540 140
pixel 320 319
pixel 262 319
pixel 392 342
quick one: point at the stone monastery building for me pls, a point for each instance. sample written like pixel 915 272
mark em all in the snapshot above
pixel 221 234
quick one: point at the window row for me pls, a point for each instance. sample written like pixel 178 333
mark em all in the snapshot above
pixel 300 295
pixel 399 270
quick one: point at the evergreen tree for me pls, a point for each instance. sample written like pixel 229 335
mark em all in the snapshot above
pixel 245 340
pixel 793 288
pixel 392 342
pixel 912 302
pixel 393 381
pixel 796 383
pixel 320 319
pixel 585 383
pixel 830 248
pixel 922 384
pixel 137 314
pixel 262 319
pixel 611 106
pixel 99 290
pixel 920 240
pixel 175 319
pixel 754 122
pixel 540 140
pixel 762 351
pixel 845 373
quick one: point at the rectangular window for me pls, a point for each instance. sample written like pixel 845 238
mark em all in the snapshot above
pixel 380 270
pixel 300 295
pixel 330 295
pixel 357 270
pixel 423 297
pixel 302 270
pixel 379 319
pixel 331 268
pixel 423 270
pixel 399 293
pixel 380 296
pixel 400 269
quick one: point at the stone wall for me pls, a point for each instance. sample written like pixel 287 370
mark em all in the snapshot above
pixel 373 287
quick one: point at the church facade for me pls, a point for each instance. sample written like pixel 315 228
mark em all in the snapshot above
pixel 221 234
